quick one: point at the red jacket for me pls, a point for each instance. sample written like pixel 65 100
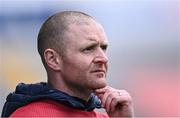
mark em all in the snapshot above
pixel 49 108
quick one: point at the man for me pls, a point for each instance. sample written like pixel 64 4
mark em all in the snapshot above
pixel 72 46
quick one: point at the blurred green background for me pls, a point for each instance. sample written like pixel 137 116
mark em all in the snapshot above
pixel 144 50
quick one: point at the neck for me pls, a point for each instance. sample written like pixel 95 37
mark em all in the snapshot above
pixel 76 91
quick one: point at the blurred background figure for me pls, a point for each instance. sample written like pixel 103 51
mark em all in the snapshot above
pixel 144 54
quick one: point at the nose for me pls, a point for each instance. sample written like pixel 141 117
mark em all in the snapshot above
pixel 101 57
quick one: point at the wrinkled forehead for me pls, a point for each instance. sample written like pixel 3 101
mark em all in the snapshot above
pixel 91 30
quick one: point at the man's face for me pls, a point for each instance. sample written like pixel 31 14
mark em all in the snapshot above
pixel 84 64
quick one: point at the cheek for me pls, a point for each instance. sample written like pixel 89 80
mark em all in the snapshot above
pixel 77 65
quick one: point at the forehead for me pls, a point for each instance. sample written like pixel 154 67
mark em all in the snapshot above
pixel 91 32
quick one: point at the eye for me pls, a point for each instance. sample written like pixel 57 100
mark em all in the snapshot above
pixel 89 49
pixel 104 47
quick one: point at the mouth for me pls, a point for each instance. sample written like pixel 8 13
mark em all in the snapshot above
pixel 98 71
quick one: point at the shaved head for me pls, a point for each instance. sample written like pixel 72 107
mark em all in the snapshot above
pixel 54 32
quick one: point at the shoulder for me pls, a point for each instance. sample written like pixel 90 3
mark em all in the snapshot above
pixel 37 108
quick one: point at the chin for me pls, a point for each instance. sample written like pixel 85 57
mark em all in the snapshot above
pixel 100 84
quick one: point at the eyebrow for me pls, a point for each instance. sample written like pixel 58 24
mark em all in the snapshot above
pixel 91 39
pixel 104 43
pixel 95 43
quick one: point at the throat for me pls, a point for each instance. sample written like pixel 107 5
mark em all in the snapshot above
pixel 70 88
pixel 78 92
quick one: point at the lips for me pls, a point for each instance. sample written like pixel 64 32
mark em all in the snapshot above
pixel 99 70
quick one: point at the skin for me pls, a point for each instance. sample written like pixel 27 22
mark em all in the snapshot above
pixel 116 104
pixel 83 69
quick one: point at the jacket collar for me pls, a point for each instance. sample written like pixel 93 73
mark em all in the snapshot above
pixel 26 93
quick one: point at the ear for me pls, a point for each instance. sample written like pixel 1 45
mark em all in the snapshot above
pixel 53 59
